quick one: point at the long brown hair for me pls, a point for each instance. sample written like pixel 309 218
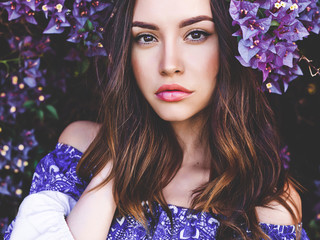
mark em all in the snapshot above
pixel 246 170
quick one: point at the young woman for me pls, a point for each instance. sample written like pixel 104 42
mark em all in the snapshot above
pixel 186 148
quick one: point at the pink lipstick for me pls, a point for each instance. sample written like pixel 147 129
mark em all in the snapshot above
pixel 172 93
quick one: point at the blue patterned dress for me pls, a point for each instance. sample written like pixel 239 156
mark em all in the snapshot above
pixel 57 172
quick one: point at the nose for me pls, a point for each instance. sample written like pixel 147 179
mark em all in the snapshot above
pixel 171 62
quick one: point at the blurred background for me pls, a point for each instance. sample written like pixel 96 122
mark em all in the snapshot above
pixel 47 80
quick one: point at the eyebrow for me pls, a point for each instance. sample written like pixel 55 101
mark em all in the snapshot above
pixel 183 24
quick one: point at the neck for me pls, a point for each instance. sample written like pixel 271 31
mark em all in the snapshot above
pixel 194 144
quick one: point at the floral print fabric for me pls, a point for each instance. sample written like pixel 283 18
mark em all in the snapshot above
pixel 57 172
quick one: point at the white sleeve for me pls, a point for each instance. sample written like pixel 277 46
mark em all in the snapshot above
pixel 41 216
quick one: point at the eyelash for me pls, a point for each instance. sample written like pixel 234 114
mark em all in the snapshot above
pixel 202 33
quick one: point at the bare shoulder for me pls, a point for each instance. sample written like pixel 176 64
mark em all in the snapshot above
pixel 79 134
pixel 278 214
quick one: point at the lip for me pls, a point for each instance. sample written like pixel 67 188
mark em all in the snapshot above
pixel 172 93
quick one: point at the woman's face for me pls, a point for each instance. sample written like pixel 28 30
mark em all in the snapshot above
pixel 175 55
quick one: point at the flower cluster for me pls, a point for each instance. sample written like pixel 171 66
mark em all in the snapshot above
pixel 87 24
pixel 26 74
pixel 268 31
pixel 19 8
pixel 27 82
pixel 82 19
pixel 14 157
pixel 285 157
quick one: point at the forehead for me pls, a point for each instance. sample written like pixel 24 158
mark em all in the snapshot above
pixel 162 11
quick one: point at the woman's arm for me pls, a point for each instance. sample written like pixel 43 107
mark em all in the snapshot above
pixel 55 190
pixel 92 215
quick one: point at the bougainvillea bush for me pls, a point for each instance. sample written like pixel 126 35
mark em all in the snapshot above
pixel 45 46
pixel 46 81
pixel 268 32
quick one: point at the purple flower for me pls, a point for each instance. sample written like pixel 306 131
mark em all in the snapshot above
pixel 52 8
pixel 77 34
pixel 264 4
pixel 286 74
pixel 29 47
pixel 4 186
pixel 56 25
pixel 255 47
pixel 247 50
pixel 243 9
pixel 284 54
pixel 58 16
pixel 16 156
pixel 15 100
pixel 291 33
pixel 10 187
pixel 268 30
pixel 310 17
pixel 5 152
pixel 31 70
pixel 20 8
pixel 266 66
pixel 95 49
pixel 283 11
pixel 285 157
pixel 302 4
pixel 87 20
pixel 271 86
pixel 252 27
pixel 28 142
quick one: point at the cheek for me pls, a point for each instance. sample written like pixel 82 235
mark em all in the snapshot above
pixel 139 67
pixel 210 61
pixel 144 66
pixel 204 58
pixel 212 65
pixel 204 64
pixel 137 64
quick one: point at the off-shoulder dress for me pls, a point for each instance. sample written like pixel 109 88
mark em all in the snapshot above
pixel 56 188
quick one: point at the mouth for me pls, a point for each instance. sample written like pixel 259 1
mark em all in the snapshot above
pixel 172 93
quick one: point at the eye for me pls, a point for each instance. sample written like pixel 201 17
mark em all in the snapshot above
pixel 145 39
pixel 197 36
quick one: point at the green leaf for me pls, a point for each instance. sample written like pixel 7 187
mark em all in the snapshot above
pixel 275 23
pixel 313 224
pixel 53 112
pixel 261 13
pixel 35 163
pixel 81 30
pixel 29 104
pixel 94 37
pixel 40 115
pixel 88 25
pixel 83 66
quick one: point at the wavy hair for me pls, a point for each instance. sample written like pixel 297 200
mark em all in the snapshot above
pixel 246 170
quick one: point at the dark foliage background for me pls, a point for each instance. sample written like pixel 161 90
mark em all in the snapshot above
pixel 47 80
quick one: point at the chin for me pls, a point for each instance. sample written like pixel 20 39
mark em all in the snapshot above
pixel 174 116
